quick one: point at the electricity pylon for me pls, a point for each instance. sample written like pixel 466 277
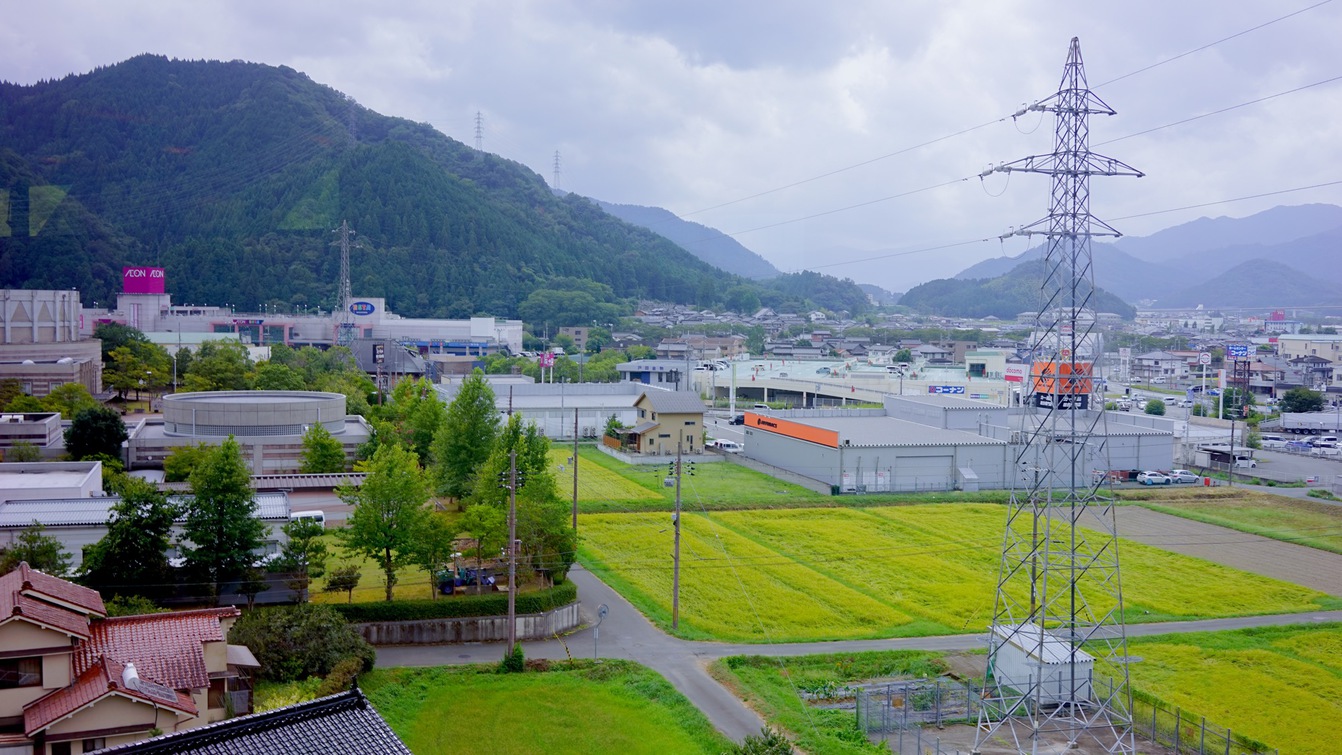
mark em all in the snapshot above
pixel 1057 647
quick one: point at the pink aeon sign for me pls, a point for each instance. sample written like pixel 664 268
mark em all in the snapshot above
pixel 142 280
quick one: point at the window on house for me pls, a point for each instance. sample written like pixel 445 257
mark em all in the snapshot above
pixel 216 695
pixel 60 748
pixel 94 743
pixel 689 423
pixel 20 672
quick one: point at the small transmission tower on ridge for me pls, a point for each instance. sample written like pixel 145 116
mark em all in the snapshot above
pixel 479 131
pixel 558 172
pixel 1057 647
pixel 344 318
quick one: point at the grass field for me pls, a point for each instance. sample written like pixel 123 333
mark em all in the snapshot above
pixel 772 685
pixel 1295 520
pixel 818 574
pixel 1278 685
pixel 614 706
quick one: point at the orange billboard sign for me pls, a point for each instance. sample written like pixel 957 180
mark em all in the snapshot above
pixel 793 429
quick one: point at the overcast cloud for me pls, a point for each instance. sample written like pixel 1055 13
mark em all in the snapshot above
pixel 694 105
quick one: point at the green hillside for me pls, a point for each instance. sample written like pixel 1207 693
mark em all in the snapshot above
pixel 1004 296
pixel 232 176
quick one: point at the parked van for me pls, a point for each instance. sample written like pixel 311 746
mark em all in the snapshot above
pixel 725 446
pixel 1245 462
pixel 1272 441
pixel 315 516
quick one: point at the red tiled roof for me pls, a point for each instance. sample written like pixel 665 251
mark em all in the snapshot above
pixel 101 678
pixel 165 647
pixel 54 589
pixel 14 604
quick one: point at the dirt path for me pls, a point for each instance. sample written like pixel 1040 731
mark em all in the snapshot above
pixel 1301 565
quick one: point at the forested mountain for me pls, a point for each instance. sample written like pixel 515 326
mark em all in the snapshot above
pixel 1003 297
pixel 232 176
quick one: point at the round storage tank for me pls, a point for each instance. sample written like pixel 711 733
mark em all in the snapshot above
pixel 213 414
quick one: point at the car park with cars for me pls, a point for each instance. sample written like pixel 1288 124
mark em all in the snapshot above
pixel 1153 478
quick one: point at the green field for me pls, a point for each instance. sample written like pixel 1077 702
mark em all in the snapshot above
pixel 1295 520
pixel 614 706
pixel 609 485
pixel 772 686
pixel 1278 685
pixel 819 574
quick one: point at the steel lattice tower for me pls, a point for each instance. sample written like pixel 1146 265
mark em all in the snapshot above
pixel 1059 588
pixel 344 321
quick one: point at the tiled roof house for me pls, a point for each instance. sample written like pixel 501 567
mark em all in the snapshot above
pixel 343 724
pixel 73 680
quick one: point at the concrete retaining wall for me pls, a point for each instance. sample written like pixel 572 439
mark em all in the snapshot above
pixel 532 626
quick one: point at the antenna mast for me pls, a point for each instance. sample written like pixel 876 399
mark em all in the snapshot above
pixel 556 185
pixel 1057 647
pixel 479 131
pixel 344 318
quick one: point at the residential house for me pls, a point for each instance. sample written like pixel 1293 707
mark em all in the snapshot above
pixel 1159 364
pixel 667 420
pixel 1294 346
pixel 73 680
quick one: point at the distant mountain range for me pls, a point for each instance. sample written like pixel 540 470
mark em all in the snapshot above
pixel 708 244
pixel 1279 257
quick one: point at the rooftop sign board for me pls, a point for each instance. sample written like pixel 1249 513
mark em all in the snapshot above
pixel 142 280
pixel 792 429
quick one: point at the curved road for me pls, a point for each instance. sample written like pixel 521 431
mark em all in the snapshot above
pixel 625 633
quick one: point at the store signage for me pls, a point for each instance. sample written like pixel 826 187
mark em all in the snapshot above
pixel 142 280
pixel 960 389
pixel 792 429
pixel 1238 350
pixel 362 308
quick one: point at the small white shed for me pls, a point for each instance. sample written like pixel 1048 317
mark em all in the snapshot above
pixel 1027 655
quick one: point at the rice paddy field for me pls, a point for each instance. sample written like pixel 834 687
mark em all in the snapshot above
pixel 1278 685
pixel 899 571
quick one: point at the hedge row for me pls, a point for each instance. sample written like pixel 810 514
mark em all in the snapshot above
pixel 491 604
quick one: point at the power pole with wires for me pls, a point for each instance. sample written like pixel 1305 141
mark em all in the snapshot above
pixel 344 318
pixel 575 469
pixel 513 482
pixel 479 131
pixel 556 185
pixel 1059 587
pixel 675 556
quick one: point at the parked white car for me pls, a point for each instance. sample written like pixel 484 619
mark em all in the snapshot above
pixel 725 446
pixel 1326 449
pixel 1153 478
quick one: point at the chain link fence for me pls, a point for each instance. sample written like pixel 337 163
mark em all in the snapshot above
pixel 898 712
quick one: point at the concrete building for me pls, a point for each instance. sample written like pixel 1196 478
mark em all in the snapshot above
pixel 1295 346
pixel 268 425
pixel 41 429
pixel 144 305
pixel 662 373
pixel 25 481
pixel 551 406
pixel 41 345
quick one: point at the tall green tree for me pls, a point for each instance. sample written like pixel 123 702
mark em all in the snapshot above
pixel 433 547
pixel 271 376
pixel 321 451
pixel 466 437
pixel 487 525
pixel 132 558
pixel 219 366
pixel 42 552
pixel 96 431
pixel 389 511
pixel 70 399
pixel 181 461
pixel 304 554
pixel 1302 399
pixel 221 525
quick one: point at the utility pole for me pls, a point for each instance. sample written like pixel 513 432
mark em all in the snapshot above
pixel 675 562
pixel 575 469
pixel 512 552
pixel 344 324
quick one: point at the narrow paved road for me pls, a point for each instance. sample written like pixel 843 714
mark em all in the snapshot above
pixel 625 633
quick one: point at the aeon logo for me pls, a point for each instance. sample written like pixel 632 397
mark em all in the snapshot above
pixel 362 308
pixel 142 272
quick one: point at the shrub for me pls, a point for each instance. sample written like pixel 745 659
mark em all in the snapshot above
pixel 131 605
pixel 494 604
pixel 295 642
pixel 767 742
pixel 514 662
pixel 341 677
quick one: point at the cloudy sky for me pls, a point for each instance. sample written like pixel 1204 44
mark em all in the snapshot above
pixel 843 137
